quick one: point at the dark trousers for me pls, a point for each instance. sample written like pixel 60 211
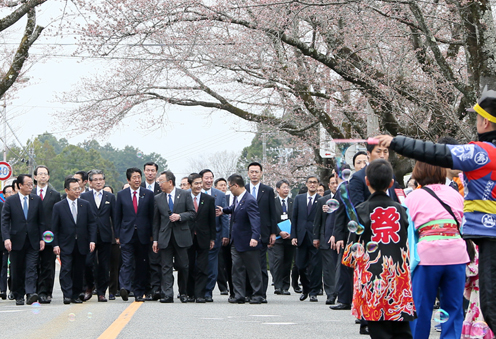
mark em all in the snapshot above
pixel 329 263
pixel 309 265
pixel 155 270
pixel 390 329
pixel 72 272
pixel 344 287
pixel 46 269
pixel 487 277
pixel 180 256
pixel 131 253
pixel 115 263
pixel 226 252
pixel 246 266
pixel 295 275
pixel 3 271
pixel 24 266
pixel 213 265
pixel 222 275
pixel 198 270
pixel 101 258
pixel 265 274
pixel 282 258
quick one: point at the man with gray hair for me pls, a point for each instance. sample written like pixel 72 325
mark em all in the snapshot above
pixel 102 204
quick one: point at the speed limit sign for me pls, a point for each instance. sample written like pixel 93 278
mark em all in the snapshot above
pixel 5 170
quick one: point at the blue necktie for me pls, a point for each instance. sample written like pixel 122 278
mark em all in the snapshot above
pixel 235 202
pixel 171 203
pixel 25 207
pixel 254 192
pixel 284 210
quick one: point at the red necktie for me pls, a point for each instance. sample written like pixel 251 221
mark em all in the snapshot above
pixel 135 202
pixel 41 194
pixel 196 205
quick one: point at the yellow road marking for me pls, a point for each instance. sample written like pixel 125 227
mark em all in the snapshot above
pixel 118 325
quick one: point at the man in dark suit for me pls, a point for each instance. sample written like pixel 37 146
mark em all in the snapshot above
pixel 283 251
pixel 308 258
pixel 150 183
pixel 245 242
pixel 23 224
pixel 133 231
pixel 46 267
pixel 174 210
pixel 203 234
pixel 102 205
pixel 222 232
pixel 264 195
pixel 74 229
pixel 5 258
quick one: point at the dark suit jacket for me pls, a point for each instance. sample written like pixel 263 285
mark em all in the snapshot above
pixel 359 192
pixel 126 220
pixel 321 231
pixel 267 209
pixel 15 226
pixel 50 198
pixel 163 227
pixel 289 209
pixel 204 222
pixel 302 222
pixel 156 187
pixel 103 214
pixel 221 222
pixel 66 232
pixel 245 220
pixel 2 245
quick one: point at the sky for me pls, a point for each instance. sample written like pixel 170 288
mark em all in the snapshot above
pixel 189 132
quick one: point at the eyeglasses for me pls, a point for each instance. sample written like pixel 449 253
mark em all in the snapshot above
pixel 77 189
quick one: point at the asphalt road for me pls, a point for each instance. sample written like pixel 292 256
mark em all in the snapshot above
pixel 282 316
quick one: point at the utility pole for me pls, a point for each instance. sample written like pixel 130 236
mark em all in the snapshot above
pixel 5 128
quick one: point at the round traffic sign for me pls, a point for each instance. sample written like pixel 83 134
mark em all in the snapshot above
pixel 5 170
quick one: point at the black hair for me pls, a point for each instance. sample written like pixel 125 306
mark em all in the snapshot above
pixel 20 179
pixel 83 174
pixel 312 176
pixel 192 177
pixel 255 164
pixel 379 173
pixel 280 182
pixel 206 170
pixel 150 163
pixel 41 166
pixel 14 185
pixel 357 154
pixel 236 179
pixel 303 190
pixel 170 176
pixel 5 188
pixel 68 181
pixel 370 147
pixel 111 189
pixel 130 171
pixel 220 179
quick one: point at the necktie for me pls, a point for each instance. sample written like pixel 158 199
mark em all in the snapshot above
pixel 41 194
pixel 135 202
pixel 284 209
pixel 150 187
pixel 235 202
pixel 254 192
pixel 25 207
pixel 74 211
pixel 309 206
pixel 196 204
pixel 206 192
pixel 98 199
pixel 171 203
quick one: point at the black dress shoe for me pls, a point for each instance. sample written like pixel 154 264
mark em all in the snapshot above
pixel 111 297
pixel 221 293
pixel 148 297
pixel 285 292
pixel 330 301
pixel 87 295
pixel 191 299
pixel 209 299
pixel 81 296
pixel 357 321
pixel 183 298
pixel 32 298
pixel 118 293
pixel 277 291
pixel 131 294
pixel 11 295
pixel 67 301
pixel 263 300
pixel 236 301
pixel 313 298
pixel 3 295
pixel 340 307
pixel 139 298
pixel 167 300
pixel 364 330
pixel 298 290
pixel 155 295
pixel 303 296
pixel 19 302
pixel 124 294
pixel 321 292
pixel 102 299
pixel 200 300
pixel 255 300
pixel 76 301
pixel 43 299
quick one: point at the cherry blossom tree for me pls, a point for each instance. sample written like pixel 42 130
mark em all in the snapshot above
pixel 294 64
